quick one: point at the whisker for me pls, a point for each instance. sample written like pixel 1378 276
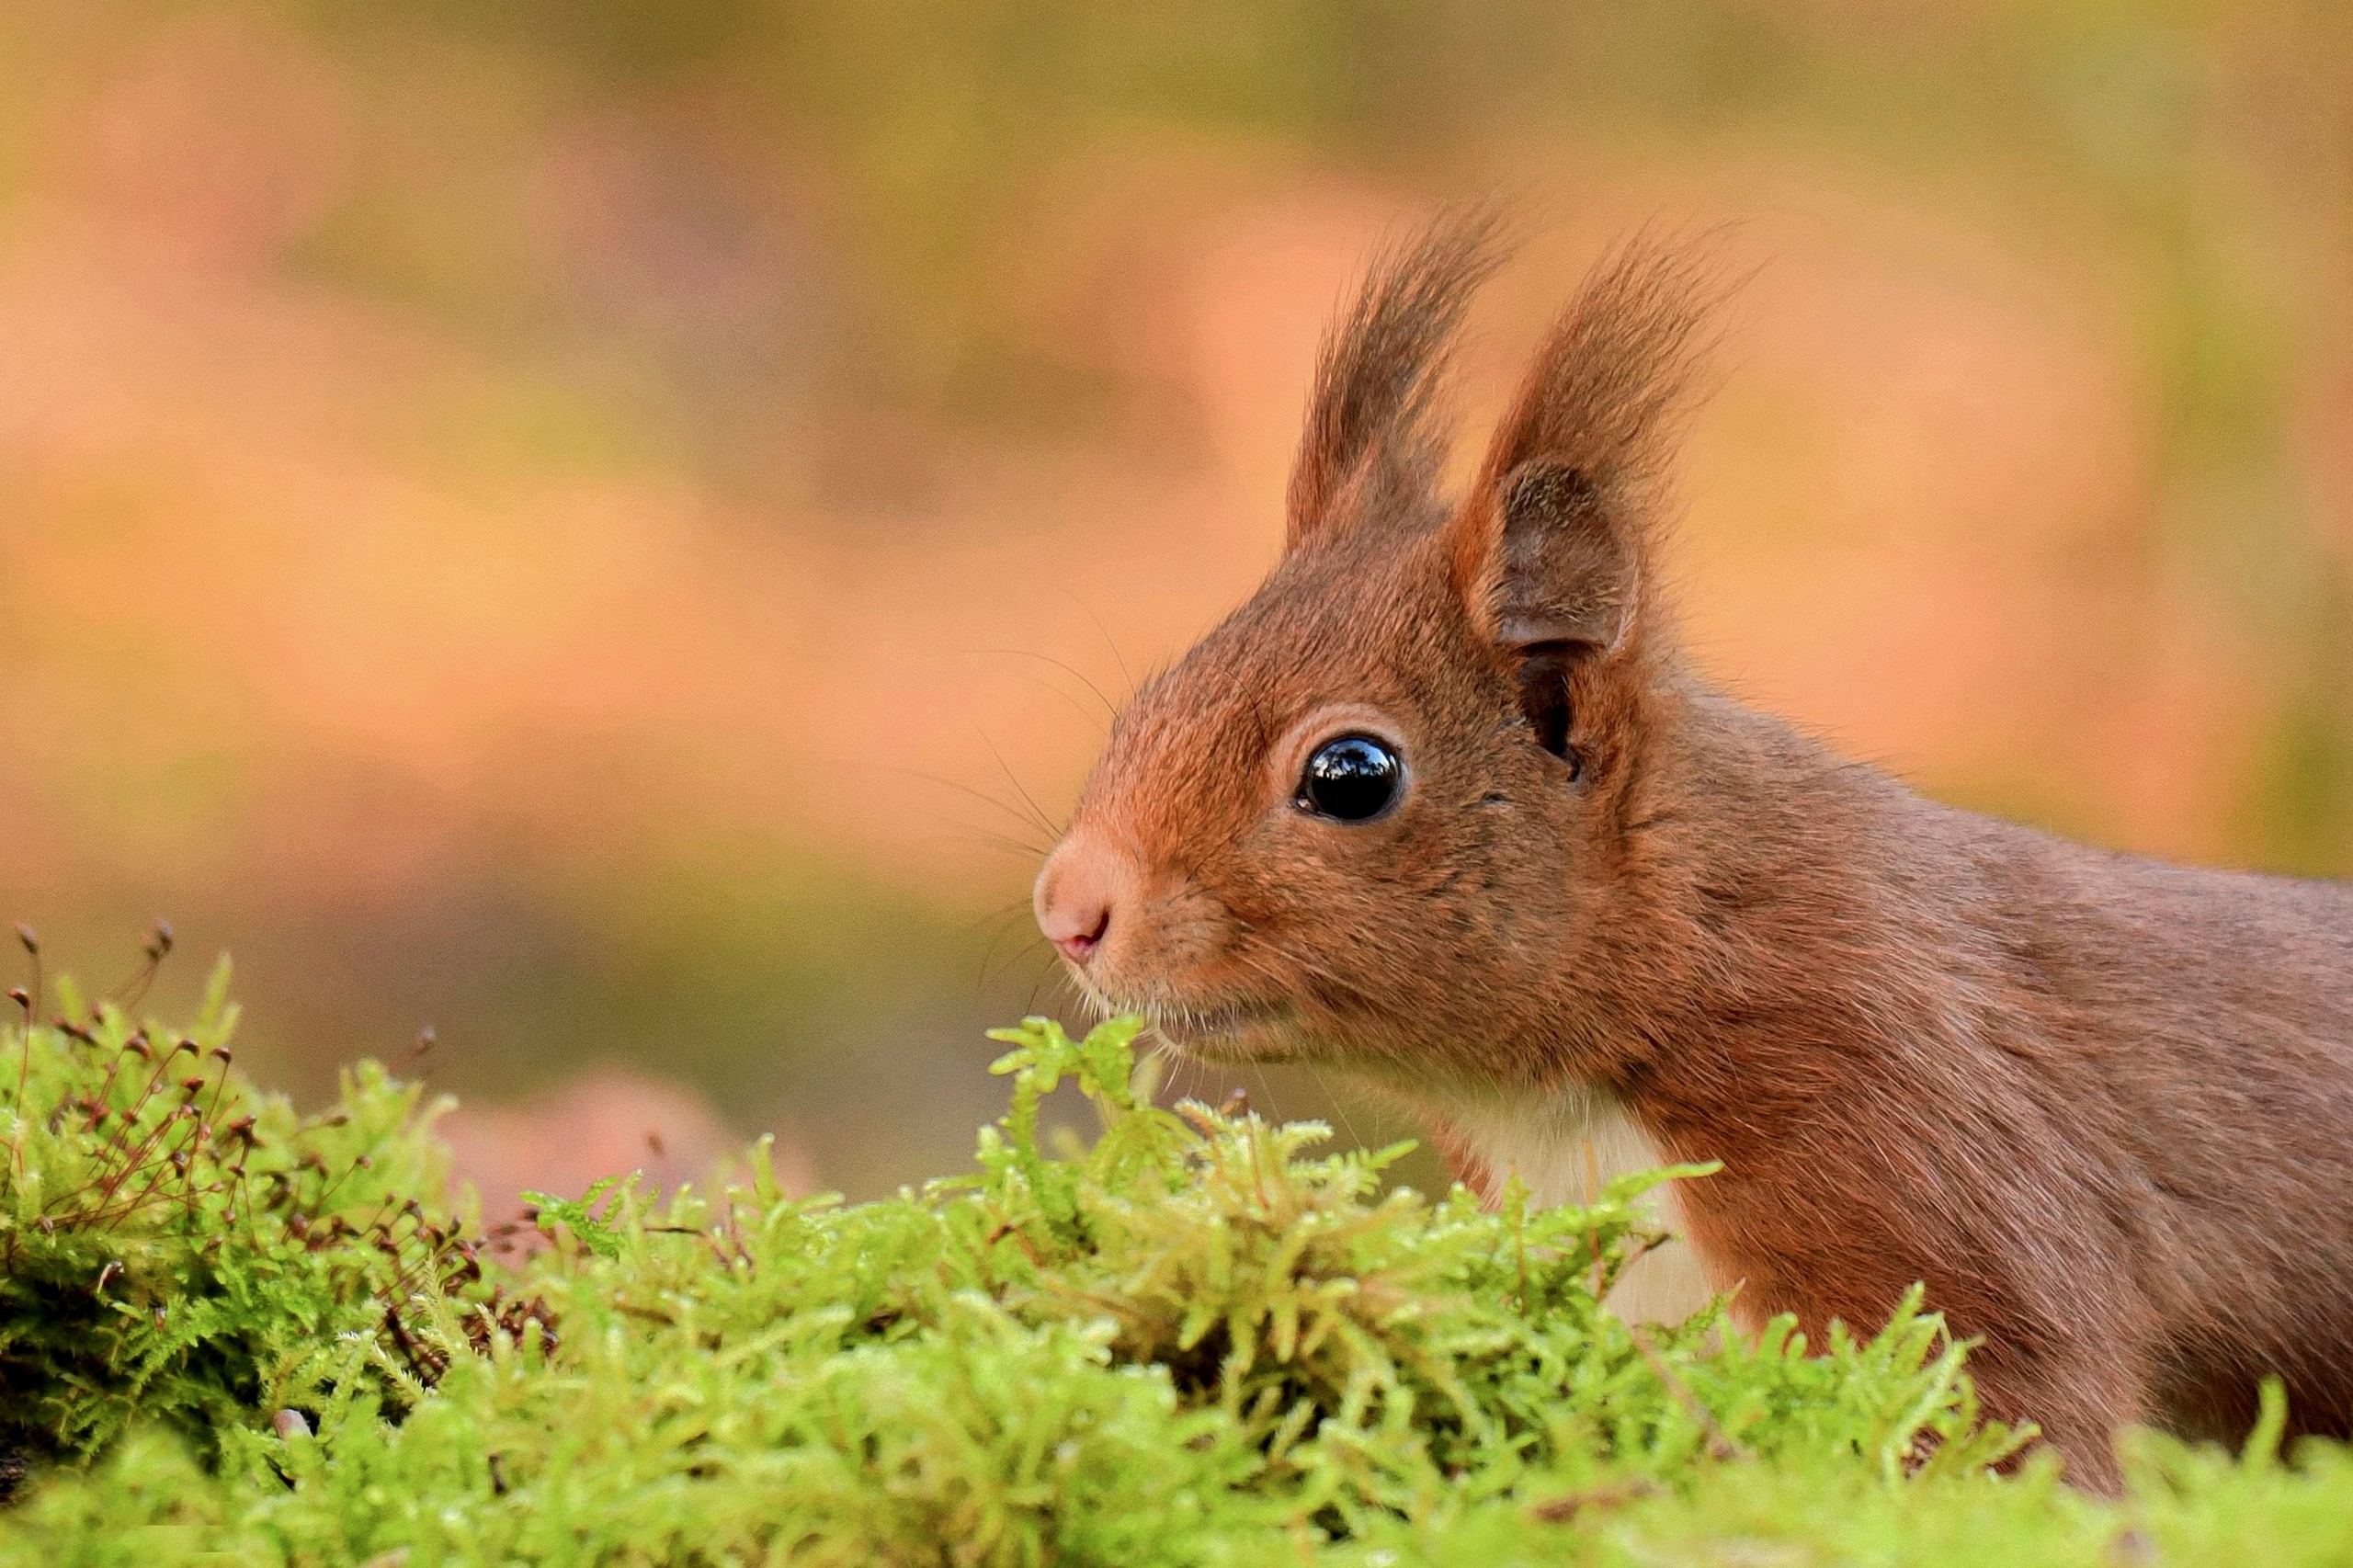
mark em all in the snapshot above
pixel 998 915
pixel 1101 726
pixel 1038 813
pixel 1340 1107
pixel 1110 710
pixel 1265 1095
pixel 1030 1006
pixel 1109 640
pixel 990 839
pixel 989 966
pixel 1019 953
pixel 1167 1067
pixel 1032 818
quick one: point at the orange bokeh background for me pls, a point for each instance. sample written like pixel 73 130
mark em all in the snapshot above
pixel 590 526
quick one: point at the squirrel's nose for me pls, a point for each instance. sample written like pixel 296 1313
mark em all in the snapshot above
pixel 1077 895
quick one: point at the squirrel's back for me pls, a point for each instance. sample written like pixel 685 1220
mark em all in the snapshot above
pixel 2127 1084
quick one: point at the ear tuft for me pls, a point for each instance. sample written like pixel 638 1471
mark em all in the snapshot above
pixel 1552 546
pixel 1374 440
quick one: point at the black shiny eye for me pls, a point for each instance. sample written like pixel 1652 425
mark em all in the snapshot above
pixel 1353 778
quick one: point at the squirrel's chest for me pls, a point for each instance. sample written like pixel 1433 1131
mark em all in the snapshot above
pixel 1566 1149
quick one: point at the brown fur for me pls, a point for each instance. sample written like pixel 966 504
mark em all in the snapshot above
pixel 2102 1106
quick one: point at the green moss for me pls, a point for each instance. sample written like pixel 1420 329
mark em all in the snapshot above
pixel 1197 1341
pixel 179 1250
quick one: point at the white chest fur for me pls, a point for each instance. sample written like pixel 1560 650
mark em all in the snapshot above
pixel 1565 1148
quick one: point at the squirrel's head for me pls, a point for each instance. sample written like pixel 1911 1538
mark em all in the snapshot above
pixel 1381 815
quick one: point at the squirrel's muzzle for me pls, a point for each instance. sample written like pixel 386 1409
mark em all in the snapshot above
pixel 1080 893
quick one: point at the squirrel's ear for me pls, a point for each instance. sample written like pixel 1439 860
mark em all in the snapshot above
pixel 1551 548
pixel 1374 439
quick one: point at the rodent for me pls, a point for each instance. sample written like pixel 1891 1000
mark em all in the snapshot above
pixel 1443 807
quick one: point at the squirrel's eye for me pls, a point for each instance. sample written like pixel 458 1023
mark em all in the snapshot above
pixel 1353 778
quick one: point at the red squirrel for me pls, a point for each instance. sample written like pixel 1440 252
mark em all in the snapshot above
pixel 1442 806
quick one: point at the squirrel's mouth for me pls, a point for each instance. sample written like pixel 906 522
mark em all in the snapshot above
pixel 1245 1030
pixel 1232 1032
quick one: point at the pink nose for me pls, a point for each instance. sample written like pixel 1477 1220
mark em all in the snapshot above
pixel 1077 894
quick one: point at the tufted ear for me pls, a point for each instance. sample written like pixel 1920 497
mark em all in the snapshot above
pixel 1374 439
pixel 1551 551
pixel 1551 547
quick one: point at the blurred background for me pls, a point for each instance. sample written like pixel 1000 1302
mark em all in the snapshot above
pixel 599 525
